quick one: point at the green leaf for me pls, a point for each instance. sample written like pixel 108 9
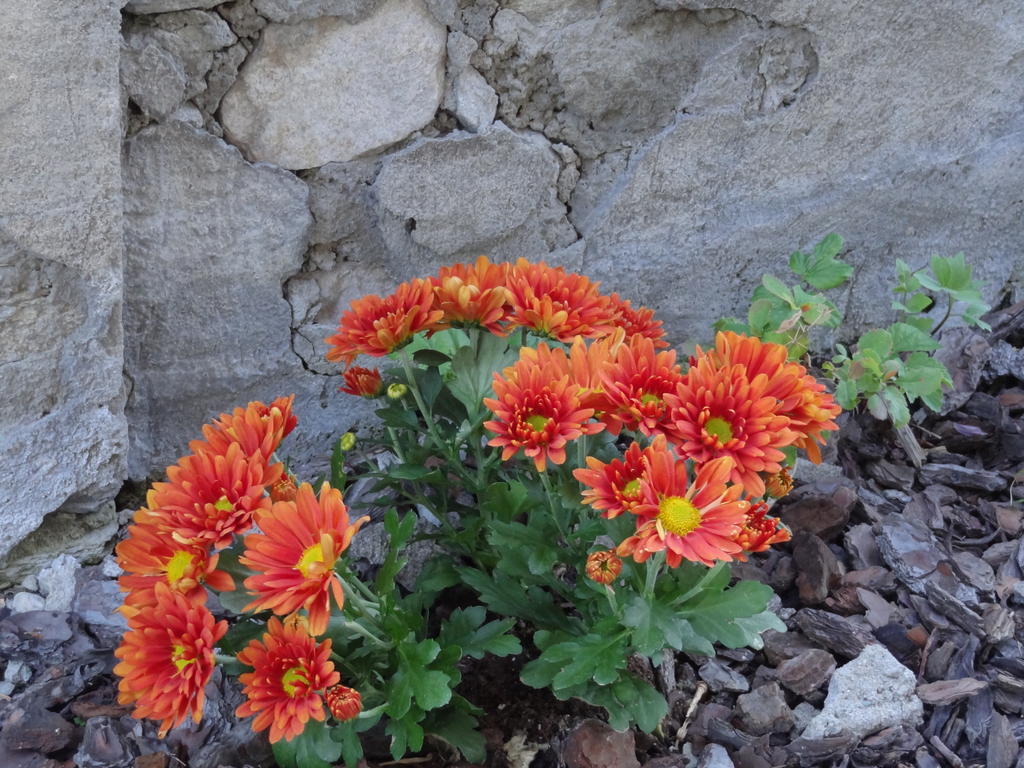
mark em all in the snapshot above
pixel 227 560
pixel 541 554
pixel 896 405
pixel 658 625
pixel 406 736
pixel 240 634
pixel 597 657
pixel 465 628
pixel 877 407
pixel 504 501
pixel 822 269
pixel 458 728
pixel 473 370
pixel 877 341
pixel 431 357
pixel 399 418
pixel 713 612
pixel 646 706
pixel 515 599
pixel 907 338
pixel 313 748
pixel 846 394
pixel 733 324
pixel 776 287
pixel 951 272
pixel 338 466
pixel 759 315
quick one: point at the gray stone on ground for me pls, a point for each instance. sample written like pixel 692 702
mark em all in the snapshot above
pixel 720 677
pixel 475 101
pixel 63 433
pixel 764 710
pixel 86 537
pixel 714 756
pixel 872 692
pixel 23 602
pixel 57 583
pixel 324 90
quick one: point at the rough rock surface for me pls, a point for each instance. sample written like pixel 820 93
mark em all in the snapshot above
pixel 500 196
pixel 872 692
pixel 63 434
pixel 200 216
pixel 325 90
pixel 888 178
pixel 292 11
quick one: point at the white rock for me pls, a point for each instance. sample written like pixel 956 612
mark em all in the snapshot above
pixel 714 756
pixel 110 568
pixel 325 90
pixel 872 692
pixel 499 195
pixel 57 583
pixel 475 100
pixel 23 602
pixel 62 426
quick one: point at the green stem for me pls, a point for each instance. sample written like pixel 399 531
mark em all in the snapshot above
pixel 223 658
pixel 550 494
pixel 610 594
pixel 396 445
pixel 945 317
pixel 653 567
pixel 368 607
pixel 701 583
pixel 360 630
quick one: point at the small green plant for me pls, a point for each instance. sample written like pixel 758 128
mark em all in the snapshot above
pixel 892 367
pixel 888 368
pixel 785 314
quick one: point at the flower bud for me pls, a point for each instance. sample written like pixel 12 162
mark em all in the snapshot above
pixel 779 484
pixel 604 566
pixel 284 489
pixel 347 441
pixel 344 702
pixel 397 391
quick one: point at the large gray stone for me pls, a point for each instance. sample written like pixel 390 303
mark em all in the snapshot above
pixel 907 140
pixel 210 241
pixel 872 692
pixel 164 6
pixel 292 11
pixel 324 90
pixel 62 428
pixel 499 196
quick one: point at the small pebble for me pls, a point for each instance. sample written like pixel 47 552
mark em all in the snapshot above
pixel 23 602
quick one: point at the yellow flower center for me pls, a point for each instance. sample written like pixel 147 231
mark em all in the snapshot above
pixel 632 488
pixel 293 676
pixel 537 422
pixel 649 398
pixel 720 428
pixel 178 657
pixel 678 515
pixel 223 505
pixel 312 556
pixel 178 565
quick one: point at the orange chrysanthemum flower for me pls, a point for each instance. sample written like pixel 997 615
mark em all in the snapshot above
pixel 290 670
pixel 474 294
pixel 257 429
pixel 635 385
pixel 537 408
pixel 809 406
pixel 587 365
pixel 167 659
pixel 345 703
pixel 604 566
pixel 638 321
pixel 614 487
pixel 294 557
pixel 696 521
pixel 760 531
pixel 717 411
pixel 554 303
pixel 779 484
pixel 363 382
pixel 210 497
pixel 376 326
pixel 149 555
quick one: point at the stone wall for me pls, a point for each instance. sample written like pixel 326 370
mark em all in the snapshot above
pixel 282 157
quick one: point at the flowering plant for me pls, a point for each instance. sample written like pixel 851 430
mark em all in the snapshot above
pixel 587 488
